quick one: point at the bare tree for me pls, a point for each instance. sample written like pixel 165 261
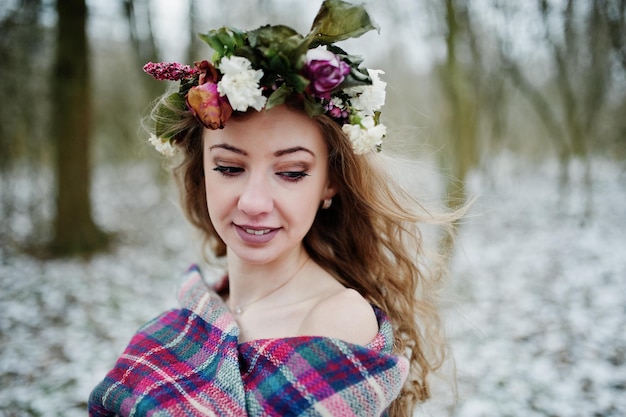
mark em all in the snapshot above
pixel 140 29
pixel 580 54
pixel 461 81
pixel 614 12
pixel 461 86
pixel 19 26
pixel 139 18
pixel 24 64
pixel 194 40
pixel 571 103
pixel 75 232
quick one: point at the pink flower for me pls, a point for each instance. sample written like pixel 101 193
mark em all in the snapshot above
pixel 336 108
pixel 172 71
pixel 325 71
pixel 212 110
pixel 335 112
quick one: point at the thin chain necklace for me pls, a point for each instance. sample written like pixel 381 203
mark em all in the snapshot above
pixel 240 307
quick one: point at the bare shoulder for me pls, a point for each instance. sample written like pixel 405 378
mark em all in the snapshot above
pixel 344 315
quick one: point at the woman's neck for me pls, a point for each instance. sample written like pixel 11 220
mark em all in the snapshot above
pixel 250 282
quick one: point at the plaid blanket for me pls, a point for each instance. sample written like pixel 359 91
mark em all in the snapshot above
pixel 188 362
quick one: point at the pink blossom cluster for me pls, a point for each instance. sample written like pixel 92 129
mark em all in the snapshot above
pixel 172 71
pixel 337 110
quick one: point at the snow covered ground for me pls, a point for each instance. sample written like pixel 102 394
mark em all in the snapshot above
pixel 536 306
pixel 538 322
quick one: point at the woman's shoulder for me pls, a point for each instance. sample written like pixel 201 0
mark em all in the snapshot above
pixel 344 315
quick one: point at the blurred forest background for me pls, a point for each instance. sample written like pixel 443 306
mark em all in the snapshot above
pixel 528 96
pixel 469 78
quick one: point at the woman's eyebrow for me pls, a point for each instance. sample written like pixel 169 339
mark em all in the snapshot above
pixel 229 148
pixel 293 150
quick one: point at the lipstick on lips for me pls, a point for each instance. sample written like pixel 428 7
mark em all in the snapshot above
pixel 256 235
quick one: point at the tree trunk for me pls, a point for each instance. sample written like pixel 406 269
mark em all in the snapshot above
pixel 194 40
pixel 462 112
pixel 143 42
pixel 462 104
pixel 75 231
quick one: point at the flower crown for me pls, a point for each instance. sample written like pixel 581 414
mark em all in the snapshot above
pixel 261 68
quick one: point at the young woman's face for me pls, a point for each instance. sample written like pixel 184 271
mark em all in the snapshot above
pixel 266 176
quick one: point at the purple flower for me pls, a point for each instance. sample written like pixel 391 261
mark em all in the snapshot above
pixel 325 71
pixel 172 71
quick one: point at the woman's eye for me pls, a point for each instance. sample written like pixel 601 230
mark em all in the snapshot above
pixel 293 176
pixel 228 171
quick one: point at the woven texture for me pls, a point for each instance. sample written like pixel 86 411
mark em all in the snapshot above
pixel 188 362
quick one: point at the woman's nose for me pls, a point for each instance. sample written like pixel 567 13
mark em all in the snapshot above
pixel 256 197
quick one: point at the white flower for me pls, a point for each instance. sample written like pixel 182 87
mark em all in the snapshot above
pixel 366 136
pixel 367 99
pixel 338 102
pixel 164 147
pixel 240 83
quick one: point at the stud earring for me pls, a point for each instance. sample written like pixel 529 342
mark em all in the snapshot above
pixel 327 203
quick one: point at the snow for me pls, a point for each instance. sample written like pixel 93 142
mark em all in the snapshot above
pixel 535 307
pixel 538 325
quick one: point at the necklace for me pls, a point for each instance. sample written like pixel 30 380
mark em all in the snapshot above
pixel 239 307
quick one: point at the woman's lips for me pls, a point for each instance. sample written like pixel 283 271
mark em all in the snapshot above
pixel 256 235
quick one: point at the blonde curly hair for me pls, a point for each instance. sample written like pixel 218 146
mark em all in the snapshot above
pixel 369 240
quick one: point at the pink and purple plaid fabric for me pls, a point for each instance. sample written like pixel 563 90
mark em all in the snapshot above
pixel 188 362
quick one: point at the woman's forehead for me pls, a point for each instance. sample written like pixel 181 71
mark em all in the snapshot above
pixel 277 131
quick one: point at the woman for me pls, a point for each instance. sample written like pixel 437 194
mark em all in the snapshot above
pixel 326 307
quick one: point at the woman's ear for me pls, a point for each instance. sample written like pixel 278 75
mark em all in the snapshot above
pixel 329 191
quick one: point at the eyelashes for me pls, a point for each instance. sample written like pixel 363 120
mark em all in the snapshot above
pixel 293 176
pixel 231 172
pixel 228 171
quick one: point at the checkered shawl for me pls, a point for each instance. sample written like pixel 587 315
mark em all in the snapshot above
pixel 188 362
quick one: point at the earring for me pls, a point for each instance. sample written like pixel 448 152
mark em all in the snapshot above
pixel 327 203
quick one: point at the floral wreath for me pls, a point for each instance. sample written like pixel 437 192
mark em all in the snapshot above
pixel 261 68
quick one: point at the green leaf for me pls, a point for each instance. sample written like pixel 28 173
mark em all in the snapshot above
pixel 280 64
pixel 211 39
pixel 360 75
pixel 278 97
pixel 250 54
pixel 293 46
pixel 281 45
pixel 312 107
pixel 338 20
pixel 270 35
pixel 377 117
pixel 353 60
pixel 351 81
pixel 297 81
pixel 224 41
